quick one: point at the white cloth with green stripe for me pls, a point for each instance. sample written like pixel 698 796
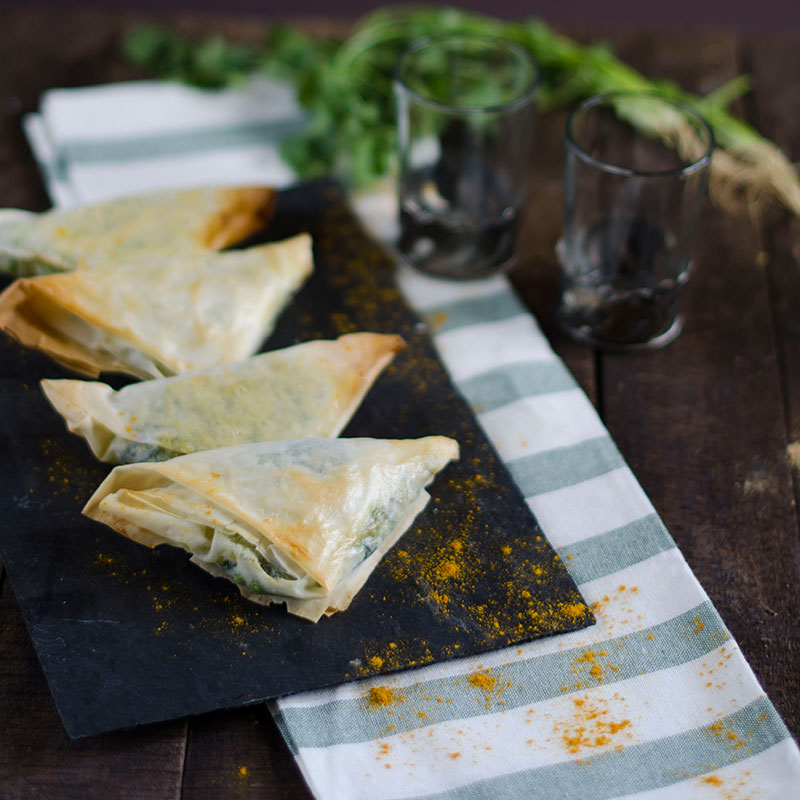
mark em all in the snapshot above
pixel 654 702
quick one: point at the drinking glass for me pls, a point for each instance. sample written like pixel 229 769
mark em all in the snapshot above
pixel 635 177
pixel 465 114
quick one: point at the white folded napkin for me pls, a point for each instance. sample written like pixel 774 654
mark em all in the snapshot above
pixel 654 702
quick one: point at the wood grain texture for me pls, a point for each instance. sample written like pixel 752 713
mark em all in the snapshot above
pixel 240 755
pixel 702 422
pixel 774 63
pixel 705 423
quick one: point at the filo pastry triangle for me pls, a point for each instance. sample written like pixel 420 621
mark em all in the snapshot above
pixel 308 390
pixel 145 226
pixel 157 318
pixel 302 522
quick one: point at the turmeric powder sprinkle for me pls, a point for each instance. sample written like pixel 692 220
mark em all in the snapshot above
pixel 483 680
pixel 490 685
pixel 591 726
pixel 383 696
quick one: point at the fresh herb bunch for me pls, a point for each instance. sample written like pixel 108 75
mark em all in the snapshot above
pixel 347 87
pixel 210 64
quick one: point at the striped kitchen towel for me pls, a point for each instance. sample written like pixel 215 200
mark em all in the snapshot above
pixel 654 702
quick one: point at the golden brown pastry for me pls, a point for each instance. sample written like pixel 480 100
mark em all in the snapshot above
pixel 310 389
pixel 147 226
pixel 156 318
pixel 302 522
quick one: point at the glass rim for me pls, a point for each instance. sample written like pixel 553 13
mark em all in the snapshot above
pixel 607 98
pixel 520 100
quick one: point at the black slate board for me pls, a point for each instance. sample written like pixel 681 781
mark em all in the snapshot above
pixel 128 635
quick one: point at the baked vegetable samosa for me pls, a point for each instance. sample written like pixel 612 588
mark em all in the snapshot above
pixel 301 522
pixel 308 390
pixel 155 225
pixel 158 318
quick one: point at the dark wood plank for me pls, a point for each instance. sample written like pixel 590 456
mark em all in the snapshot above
pixel 774 63
pixel 240 755
pixel 701 422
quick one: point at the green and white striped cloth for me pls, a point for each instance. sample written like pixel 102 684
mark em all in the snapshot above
pixel 654 702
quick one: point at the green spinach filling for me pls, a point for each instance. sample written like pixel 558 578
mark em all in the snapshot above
pixel 232 553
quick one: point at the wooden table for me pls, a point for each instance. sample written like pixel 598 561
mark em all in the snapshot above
pixel 706 424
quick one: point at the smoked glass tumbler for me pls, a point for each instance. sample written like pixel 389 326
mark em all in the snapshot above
pixel 465 115
pixel 635 180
